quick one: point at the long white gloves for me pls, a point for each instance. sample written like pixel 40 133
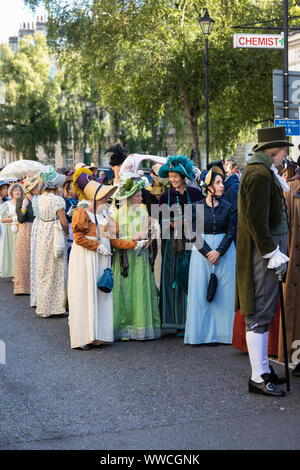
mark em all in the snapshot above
pixel 140 244
pixel 101 250
pixel 71 211
pixel 277 258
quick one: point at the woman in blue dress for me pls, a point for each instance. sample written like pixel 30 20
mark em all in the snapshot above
pixel 212 322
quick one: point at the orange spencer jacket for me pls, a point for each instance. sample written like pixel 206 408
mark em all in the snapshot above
pixel 83 227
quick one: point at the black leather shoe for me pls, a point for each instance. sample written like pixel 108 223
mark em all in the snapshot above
pixel 265 388
pixel 274 377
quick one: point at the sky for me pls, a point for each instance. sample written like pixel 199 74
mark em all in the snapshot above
pixel 12 14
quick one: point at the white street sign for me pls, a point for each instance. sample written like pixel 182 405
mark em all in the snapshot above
pixel 258 41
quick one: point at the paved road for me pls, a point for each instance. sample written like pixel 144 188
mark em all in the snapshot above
pixel 153 395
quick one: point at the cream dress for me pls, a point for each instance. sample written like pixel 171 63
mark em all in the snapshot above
pixel 8 239
pixel 51 272
pixel 90 310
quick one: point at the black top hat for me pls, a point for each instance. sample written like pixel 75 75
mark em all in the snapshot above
pixel 271 137
pixel 118 156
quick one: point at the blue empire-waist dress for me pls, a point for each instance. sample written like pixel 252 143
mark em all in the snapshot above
pixel 212 322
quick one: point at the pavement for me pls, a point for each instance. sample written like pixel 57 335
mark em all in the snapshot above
pixel 154 395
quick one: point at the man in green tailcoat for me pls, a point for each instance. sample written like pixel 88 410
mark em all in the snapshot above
pixel 261 251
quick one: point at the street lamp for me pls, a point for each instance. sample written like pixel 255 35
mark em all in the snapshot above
pixel 87 155
pixel 206 24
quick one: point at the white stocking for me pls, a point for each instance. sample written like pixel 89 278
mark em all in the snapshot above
pixel 266 356
pixel 255 343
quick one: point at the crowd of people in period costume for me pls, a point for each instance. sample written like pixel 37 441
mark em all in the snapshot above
pixel 124 258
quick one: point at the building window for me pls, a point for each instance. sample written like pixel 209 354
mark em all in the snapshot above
pixel 3 159
pixel 51 160
pixel 69 158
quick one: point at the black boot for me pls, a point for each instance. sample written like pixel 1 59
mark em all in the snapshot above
pixel 265 388
pixel 274 377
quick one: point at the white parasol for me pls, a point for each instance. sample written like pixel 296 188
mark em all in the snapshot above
pixel 20 169
pixel 132 162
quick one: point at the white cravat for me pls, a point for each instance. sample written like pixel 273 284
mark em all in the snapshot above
pixel 282 182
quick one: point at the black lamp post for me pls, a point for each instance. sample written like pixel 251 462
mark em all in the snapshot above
pixel 206 24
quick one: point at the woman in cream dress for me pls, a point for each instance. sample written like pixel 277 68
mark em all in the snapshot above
pixel 8 217
pixel 33 244
pixel 4 185
pixel 51 271
pixel 90 310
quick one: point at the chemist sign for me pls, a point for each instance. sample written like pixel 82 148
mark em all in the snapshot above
pixel 258 41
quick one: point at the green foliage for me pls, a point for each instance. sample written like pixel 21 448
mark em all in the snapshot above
pixel 28 117
pixel 80 112
pixel 146 59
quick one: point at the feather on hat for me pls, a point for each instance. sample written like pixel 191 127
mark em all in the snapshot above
pixel 118 156
pixel 178 164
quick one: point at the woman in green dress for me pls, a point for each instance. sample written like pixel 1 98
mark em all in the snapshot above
pixel 136 311
pixel 8 216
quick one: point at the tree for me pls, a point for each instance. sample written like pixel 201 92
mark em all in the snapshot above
pixel 28 117
pixel 147 59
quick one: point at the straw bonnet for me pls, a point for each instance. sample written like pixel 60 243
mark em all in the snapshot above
pixel 214 170
pixel 88 186
pixel 129 185
pixel 156 168
pixel 93 166
pixel 79 165
pixel 30 182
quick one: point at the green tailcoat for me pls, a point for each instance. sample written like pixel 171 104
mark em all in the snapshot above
pixel 259 211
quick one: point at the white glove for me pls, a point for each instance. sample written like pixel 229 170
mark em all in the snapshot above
pixel 71 211
pixel 281 270
pixel 140 244
pixel 101 250
pixel 276 258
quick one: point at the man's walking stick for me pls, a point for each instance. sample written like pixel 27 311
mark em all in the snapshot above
pixel 286 363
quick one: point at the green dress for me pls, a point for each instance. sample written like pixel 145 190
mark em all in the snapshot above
pixel 136 311
pixel 8 210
